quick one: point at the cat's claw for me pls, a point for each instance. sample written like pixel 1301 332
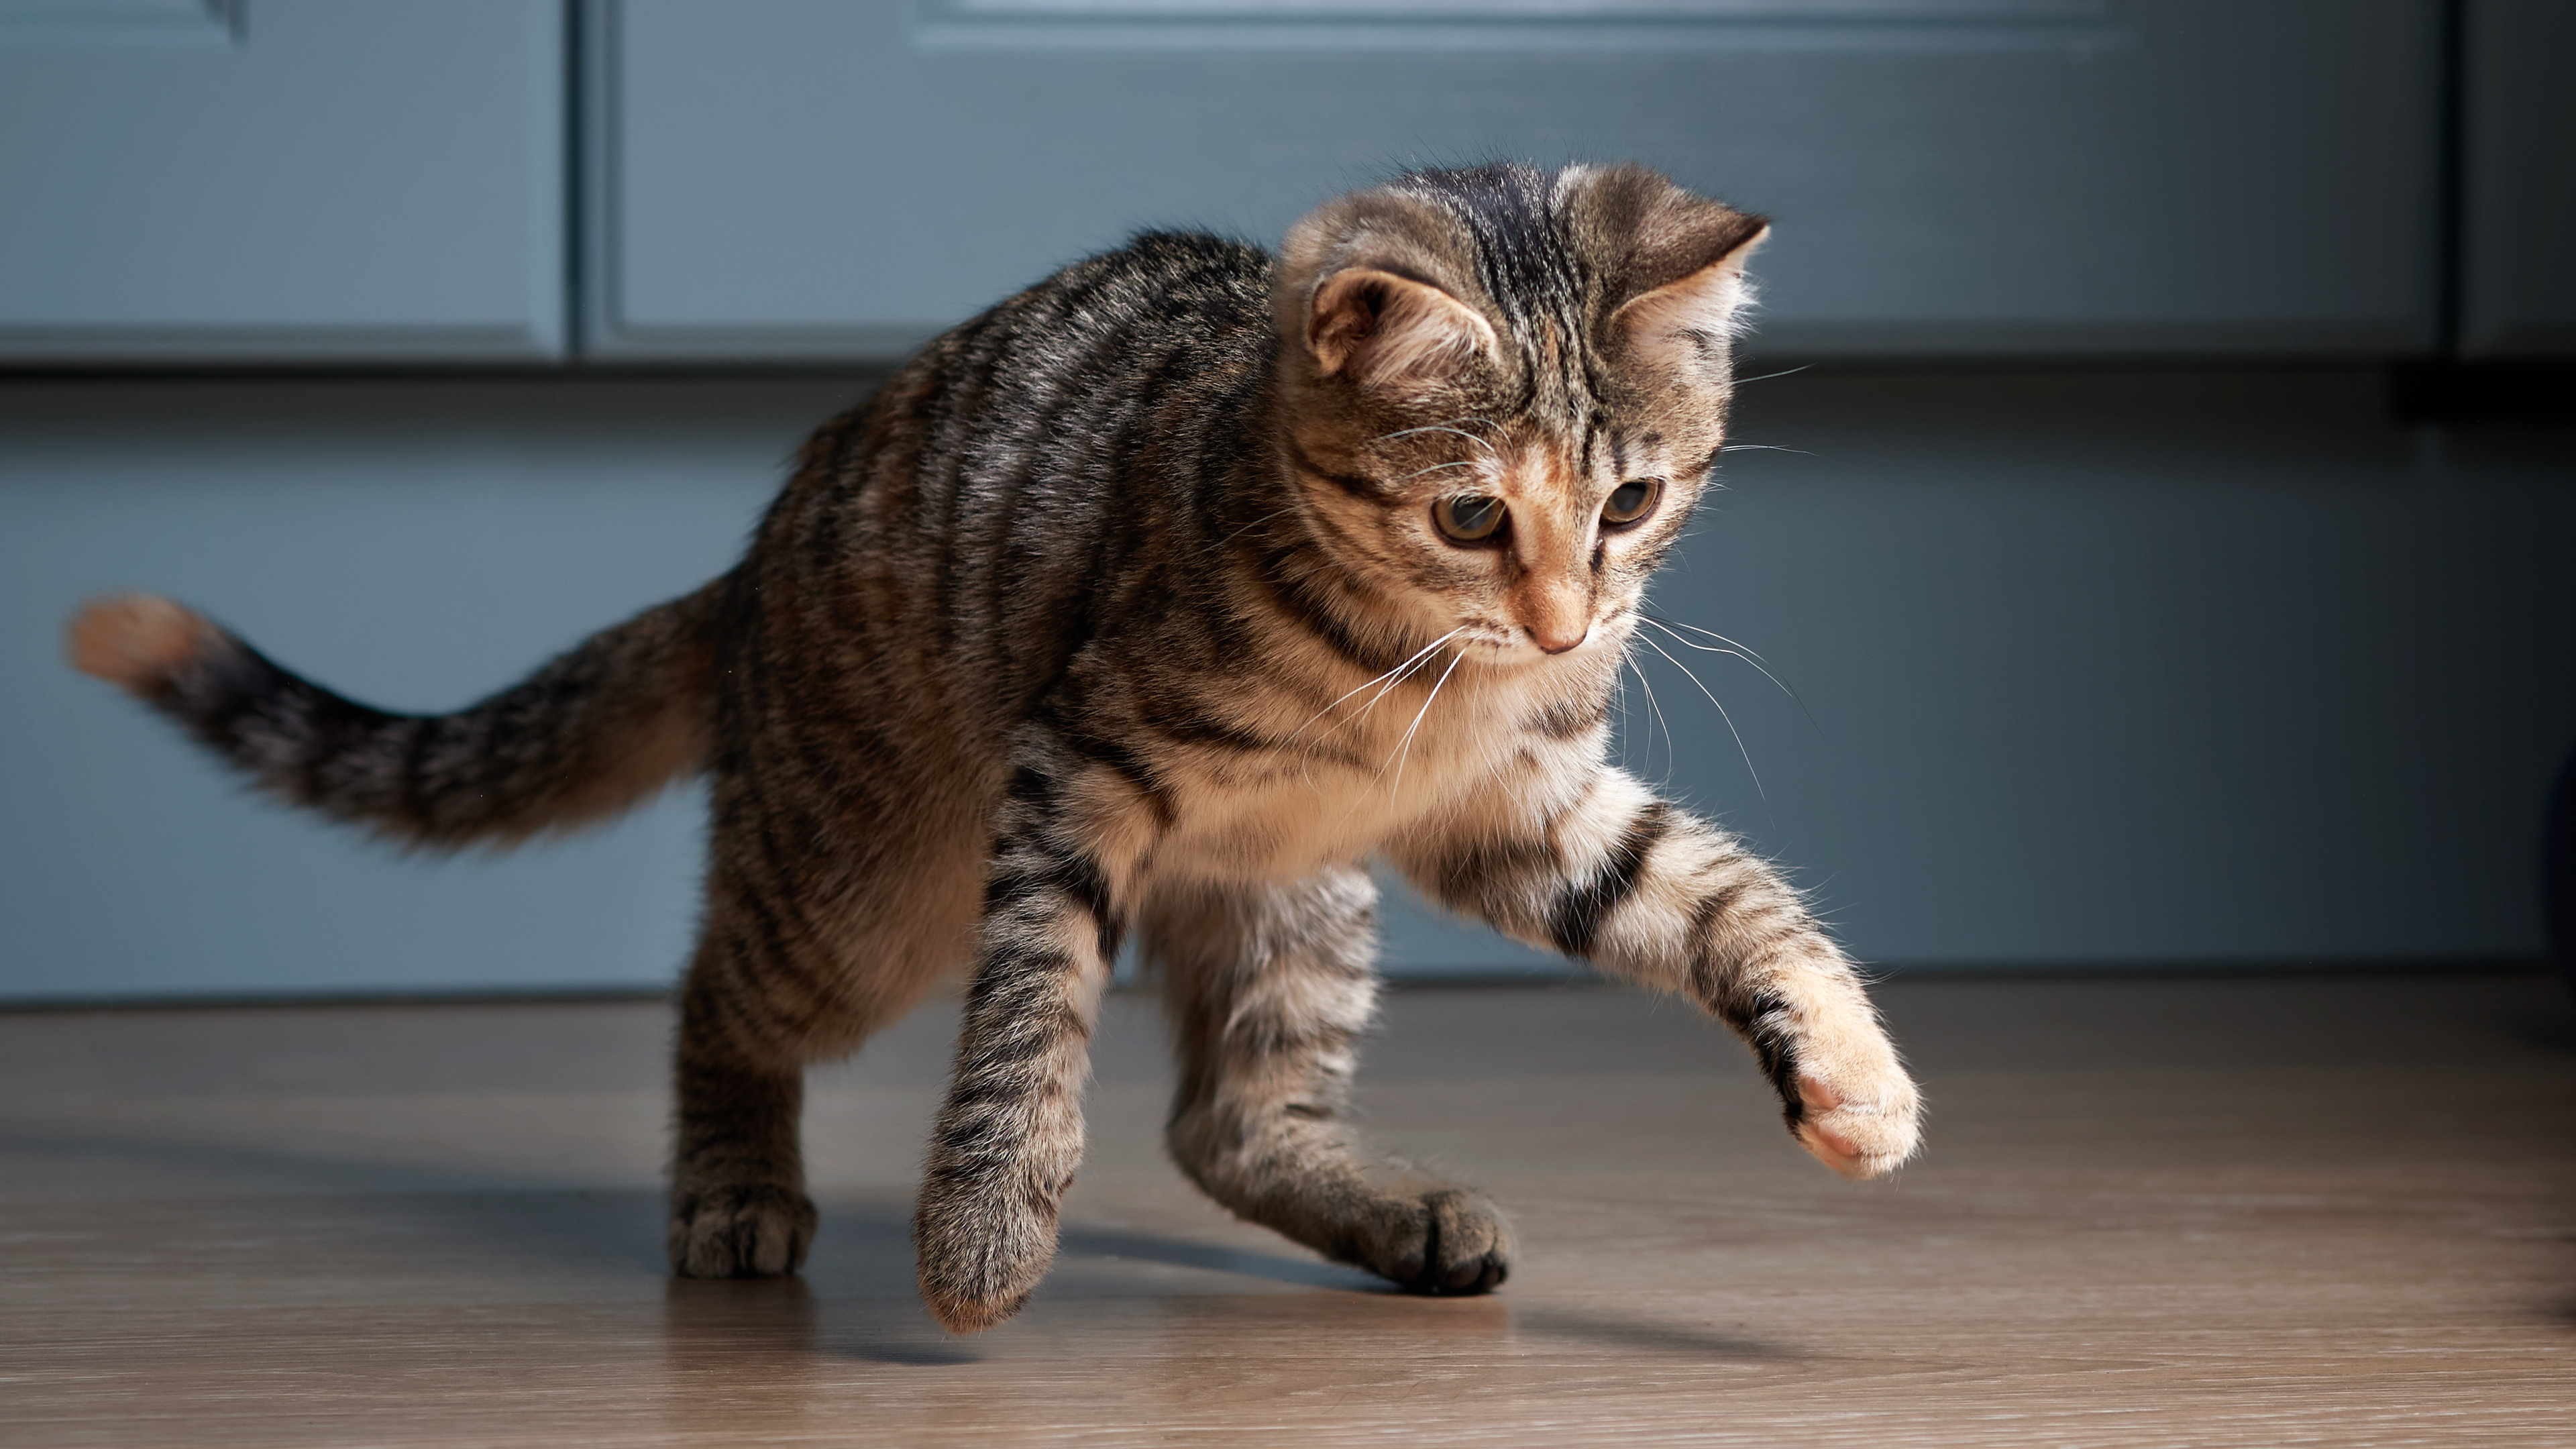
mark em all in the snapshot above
pixel 740 1232
pixel 1859 1137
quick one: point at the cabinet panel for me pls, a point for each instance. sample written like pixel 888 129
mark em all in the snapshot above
pixel 1949 177
pixel 282 179
pixel 2518 236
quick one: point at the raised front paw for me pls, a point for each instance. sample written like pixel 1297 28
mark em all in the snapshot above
pixel 1859 1137
pixel 1440 1240
pixel 756 1231
pixel 1854 1107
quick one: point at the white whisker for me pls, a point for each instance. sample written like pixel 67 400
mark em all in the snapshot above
pixel 1404 747
pixel 1672 623
pixel 1436 428
pixel 1436 467
pixel 1766 377
pixel 1256 523
pixel 1721 714
pixel 1672 757
pixel 1619 701
pixel 1390 680
pixel 1689 643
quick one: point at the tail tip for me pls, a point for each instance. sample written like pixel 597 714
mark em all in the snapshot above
pixel 134 641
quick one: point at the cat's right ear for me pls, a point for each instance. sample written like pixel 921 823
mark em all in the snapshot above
pixel 1382 330
pixel 1372 289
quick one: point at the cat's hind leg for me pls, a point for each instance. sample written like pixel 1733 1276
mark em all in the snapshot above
pixel 738 1203
pixel 803 955
pixel 1269 988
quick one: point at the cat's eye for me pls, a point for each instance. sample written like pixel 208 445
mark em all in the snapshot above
pixel 1632 500
pixel 1471 519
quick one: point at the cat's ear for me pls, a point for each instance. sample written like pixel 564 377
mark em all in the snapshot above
pixel 1697 315
pixel 1384 330
pixel 1378 287
pixel 1672 263
pixel 1701 312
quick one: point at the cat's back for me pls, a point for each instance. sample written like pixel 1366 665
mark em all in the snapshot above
pixel 965 519
pixel 1088 370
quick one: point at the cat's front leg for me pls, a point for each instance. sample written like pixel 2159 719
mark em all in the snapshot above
pixel 1602 870
pixel 1009 1139
pixel 1270 987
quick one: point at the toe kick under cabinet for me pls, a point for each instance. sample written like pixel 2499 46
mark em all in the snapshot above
pixel 782 180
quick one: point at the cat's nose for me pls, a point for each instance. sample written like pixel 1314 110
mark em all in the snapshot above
pixel 1557 636
pixel 1555 618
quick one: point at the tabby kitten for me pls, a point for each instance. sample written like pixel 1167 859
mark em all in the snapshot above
pixel 1157 599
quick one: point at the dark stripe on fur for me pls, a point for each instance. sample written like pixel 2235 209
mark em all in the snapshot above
pixel 1575 918
pixel 1018 883
pixel 1768 1024
pixel 1296 598
pixel 1570 719
pixel 1360 488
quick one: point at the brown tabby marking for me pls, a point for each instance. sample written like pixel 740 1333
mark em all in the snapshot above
pixel 1158 598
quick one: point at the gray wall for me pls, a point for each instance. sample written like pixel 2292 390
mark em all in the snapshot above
pixel 2103 666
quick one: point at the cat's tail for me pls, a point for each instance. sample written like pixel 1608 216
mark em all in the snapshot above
pixel 597 729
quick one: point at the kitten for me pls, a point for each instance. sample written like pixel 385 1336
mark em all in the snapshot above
pixel 1157 599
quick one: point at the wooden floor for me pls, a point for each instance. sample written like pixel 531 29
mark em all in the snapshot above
pixel 2204 1211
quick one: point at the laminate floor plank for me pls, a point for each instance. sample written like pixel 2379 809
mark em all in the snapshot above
pixel 2192 1209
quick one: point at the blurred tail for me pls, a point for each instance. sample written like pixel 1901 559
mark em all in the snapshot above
pixel 594 731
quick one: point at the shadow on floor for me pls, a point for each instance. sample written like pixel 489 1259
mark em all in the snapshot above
pixel 856 1301
pixel 1116 1245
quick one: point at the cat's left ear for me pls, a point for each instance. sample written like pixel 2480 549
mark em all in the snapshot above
pixel 1695 318
pixel 1671 263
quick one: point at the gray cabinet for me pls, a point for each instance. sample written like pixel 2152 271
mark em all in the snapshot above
pixel 2518 181
pixel 775 178
pixel 282 180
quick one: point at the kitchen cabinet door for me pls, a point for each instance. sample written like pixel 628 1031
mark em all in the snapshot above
pixel 782 178
pixel 282 180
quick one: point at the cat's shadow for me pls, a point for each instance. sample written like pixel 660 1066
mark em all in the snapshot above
pixel 1116 1245
pixel 857 1299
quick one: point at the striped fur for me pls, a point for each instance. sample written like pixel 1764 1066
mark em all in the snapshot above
pixel 1125 606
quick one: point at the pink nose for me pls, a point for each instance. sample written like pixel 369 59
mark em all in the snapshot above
pixel 1553 641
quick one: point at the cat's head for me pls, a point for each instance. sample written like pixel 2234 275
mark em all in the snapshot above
pixel 1503 391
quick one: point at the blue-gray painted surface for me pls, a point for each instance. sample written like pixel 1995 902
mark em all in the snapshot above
pixel 2103 667
pixel 825 177
pixel 295 179
pixel 2517 285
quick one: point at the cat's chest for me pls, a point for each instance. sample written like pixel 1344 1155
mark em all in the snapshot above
pixel 1336 796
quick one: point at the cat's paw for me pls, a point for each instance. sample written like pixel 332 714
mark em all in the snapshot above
pixel 1445 1240
pixel 980 1254
pixel 757 1231
pixel 1862 1124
